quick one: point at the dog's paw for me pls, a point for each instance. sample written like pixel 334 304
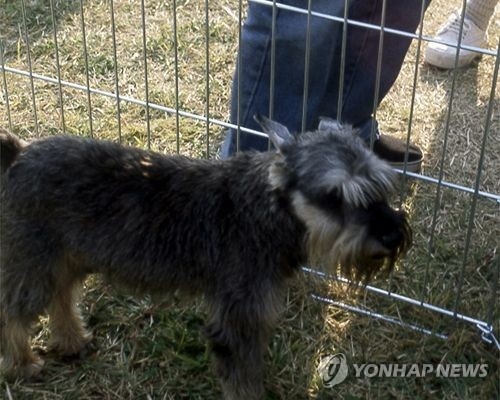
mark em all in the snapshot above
pixel 27 370
pixel 33 368
pixel 71 347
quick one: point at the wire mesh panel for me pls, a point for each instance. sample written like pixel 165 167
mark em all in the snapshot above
pixel 159 74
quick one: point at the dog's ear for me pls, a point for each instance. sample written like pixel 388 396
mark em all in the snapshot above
pixel 329 124
pixel 332 125
pixel 278 133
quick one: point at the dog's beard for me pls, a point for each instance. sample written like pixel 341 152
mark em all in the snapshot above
pixel 344 250
pixel 351 256
pixel 345 253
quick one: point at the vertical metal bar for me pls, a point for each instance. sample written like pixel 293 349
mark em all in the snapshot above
pixel 86 60
pixel 306 67
pixel 470 227
pixel 378 73
pixel 238 80
pixel 340 102
pixel 272 77
pixel 494 288
pixel 115 63
pixel 176 74
pixel 58 64
pixel 145 61
pixel 6 91
pixel 378 70
pixel 30 67
pixel 207 78
pixel 410 124
pixel 446 133
pixel 413 96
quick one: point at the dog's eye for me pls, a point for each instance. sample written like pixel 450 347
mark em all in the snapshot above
pixel 334 197
pixel 329 199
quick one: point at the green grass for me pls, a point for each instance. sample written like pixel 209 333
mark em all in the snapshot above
pixel 149 350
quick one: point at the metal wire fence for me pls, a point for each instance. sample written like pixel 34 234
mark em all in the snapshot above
pixel 25 79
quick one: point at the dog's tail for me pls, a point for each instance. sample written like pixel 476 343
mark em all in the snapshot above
pixel 10 147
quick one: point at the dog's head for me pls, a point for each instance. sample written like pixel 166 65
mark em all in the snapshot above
pixel 340 190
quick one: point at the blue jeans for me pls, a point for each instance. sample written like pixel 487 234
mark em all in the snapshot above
pixel 251 90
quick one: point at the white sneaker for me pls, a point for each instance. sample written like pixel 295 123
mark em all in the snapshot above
pixel 443 56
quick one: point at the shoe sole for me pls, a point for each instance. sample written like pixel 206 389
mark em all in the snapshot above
pixel 411 166
pixel 440 62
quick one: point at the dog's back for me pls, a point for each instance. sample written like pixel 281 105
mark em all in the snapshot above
pixel 150 220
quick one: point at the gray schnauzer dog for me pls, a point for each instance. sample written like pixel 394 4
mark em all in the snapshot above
pixel 233 231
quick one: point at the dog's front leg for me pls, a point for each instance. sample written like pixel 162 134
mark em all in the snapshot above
pixel 238 331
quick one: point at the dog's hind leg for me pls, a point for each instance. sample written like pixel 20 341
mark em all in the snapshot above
pixel 68 334
pixel 28 268
pixel 24 297
pixel 17 359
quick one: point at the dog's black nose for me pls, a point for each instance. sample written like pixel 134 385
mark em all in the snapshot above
pixel 392 240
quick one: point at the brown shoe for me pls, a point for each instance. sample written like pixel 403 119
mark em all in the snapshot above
pixel 394 150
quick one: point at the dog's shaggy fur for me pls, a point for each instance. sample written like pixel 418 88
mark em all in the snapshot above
pixel 232 231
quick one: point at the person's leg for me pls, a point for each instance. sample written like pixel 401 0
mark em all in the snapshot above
pixel 251 92
pixel 251 89
pixel 480 12
pixel 359 99
pixel 362 54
